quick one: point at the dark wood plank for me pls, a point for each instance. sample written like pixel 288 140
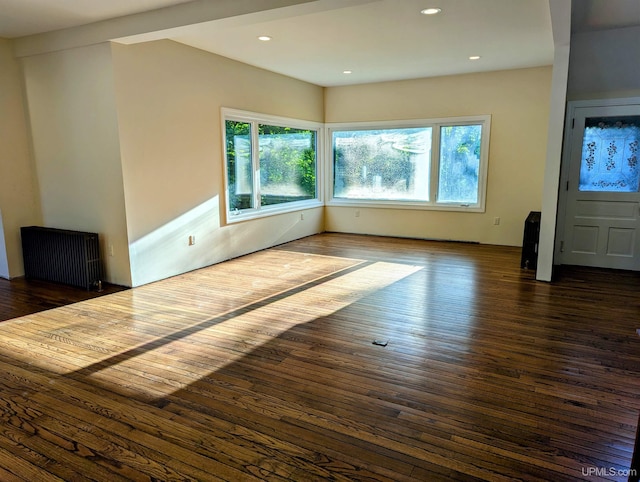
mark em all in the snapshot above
pixel 263 368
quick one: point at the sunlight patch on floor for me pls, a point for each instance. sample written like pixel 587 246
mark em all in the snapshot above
pixel 150 342
pixel 202 352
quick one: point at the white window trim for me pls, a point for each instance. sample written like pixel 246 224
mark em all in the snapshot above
pixel 324 164
pixel 435 124
pixel 263 211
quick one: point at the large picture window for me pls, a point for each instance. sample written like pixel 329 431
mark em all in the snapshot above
pixel 439 164
pixel 382 164
pixel 274 165
pixel 271 164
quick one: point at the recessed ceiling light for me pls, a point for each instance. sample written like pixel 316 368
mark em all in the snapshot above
pixel 264 38
pixel 474 57
pixel 430 11
pixel 347 72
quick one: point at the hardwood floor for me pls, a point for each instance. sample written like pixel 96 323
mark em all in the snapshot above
pixel 264 368
pixel 20 296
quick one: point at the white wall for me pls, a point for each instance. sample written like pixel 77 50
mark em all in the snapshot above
pixel 604 64
pixel 561 23
pixel 18 192
pixel 169 98
pixel 517 100
pixel 128 143
pixel 76 150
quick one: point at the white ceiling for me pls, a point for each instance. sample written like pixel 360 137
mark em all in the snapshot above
pixel 390 40
pixel 378 40
pixel 26 17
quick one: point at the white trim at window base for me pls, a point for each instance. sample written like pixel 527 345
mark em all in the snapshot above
pixel 399 204
pixel 273 210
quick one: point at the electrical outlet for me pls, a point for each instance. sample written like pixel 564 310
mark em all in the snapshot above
pixel 301 216
pixel 357 213
pixel 496 221
pixel 111 250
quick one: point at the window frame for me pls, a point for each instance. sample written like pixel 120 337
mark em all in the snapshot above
pixel 255 119
pixel 432 204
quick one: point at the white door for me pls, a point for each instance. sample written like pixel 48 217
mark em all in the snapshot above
pixel 602 220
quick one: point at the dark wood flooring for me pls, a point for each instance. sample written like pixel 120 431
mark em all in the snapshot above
pixel 21 296
pixel 264 368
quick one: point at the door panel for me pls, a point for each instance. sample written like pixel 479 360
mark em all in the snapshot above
pixel 586 239
pixel 606 209
pixel 621 242
pixel 603 199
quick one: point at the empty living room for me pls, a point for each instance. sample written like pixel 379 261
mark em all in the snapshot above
pixel 319 240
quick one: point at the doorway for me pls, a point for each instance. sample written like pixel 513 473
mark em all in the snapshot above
pixel 600 186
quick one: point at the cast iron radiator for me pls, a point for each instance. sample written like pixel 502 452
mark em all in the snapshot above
pixel 62 256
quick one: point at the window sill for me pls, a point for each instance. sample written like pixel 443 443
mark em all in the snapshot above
pixel 251 214
pixel 417 206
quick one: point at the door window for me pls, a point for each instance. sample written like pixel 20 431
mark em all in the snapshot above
pixel 610 154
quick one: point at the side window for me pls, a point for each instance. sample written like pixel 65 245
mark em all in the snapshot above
pixel 270 164
pixel 459 164
pixel 239 166
pixel 287 164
